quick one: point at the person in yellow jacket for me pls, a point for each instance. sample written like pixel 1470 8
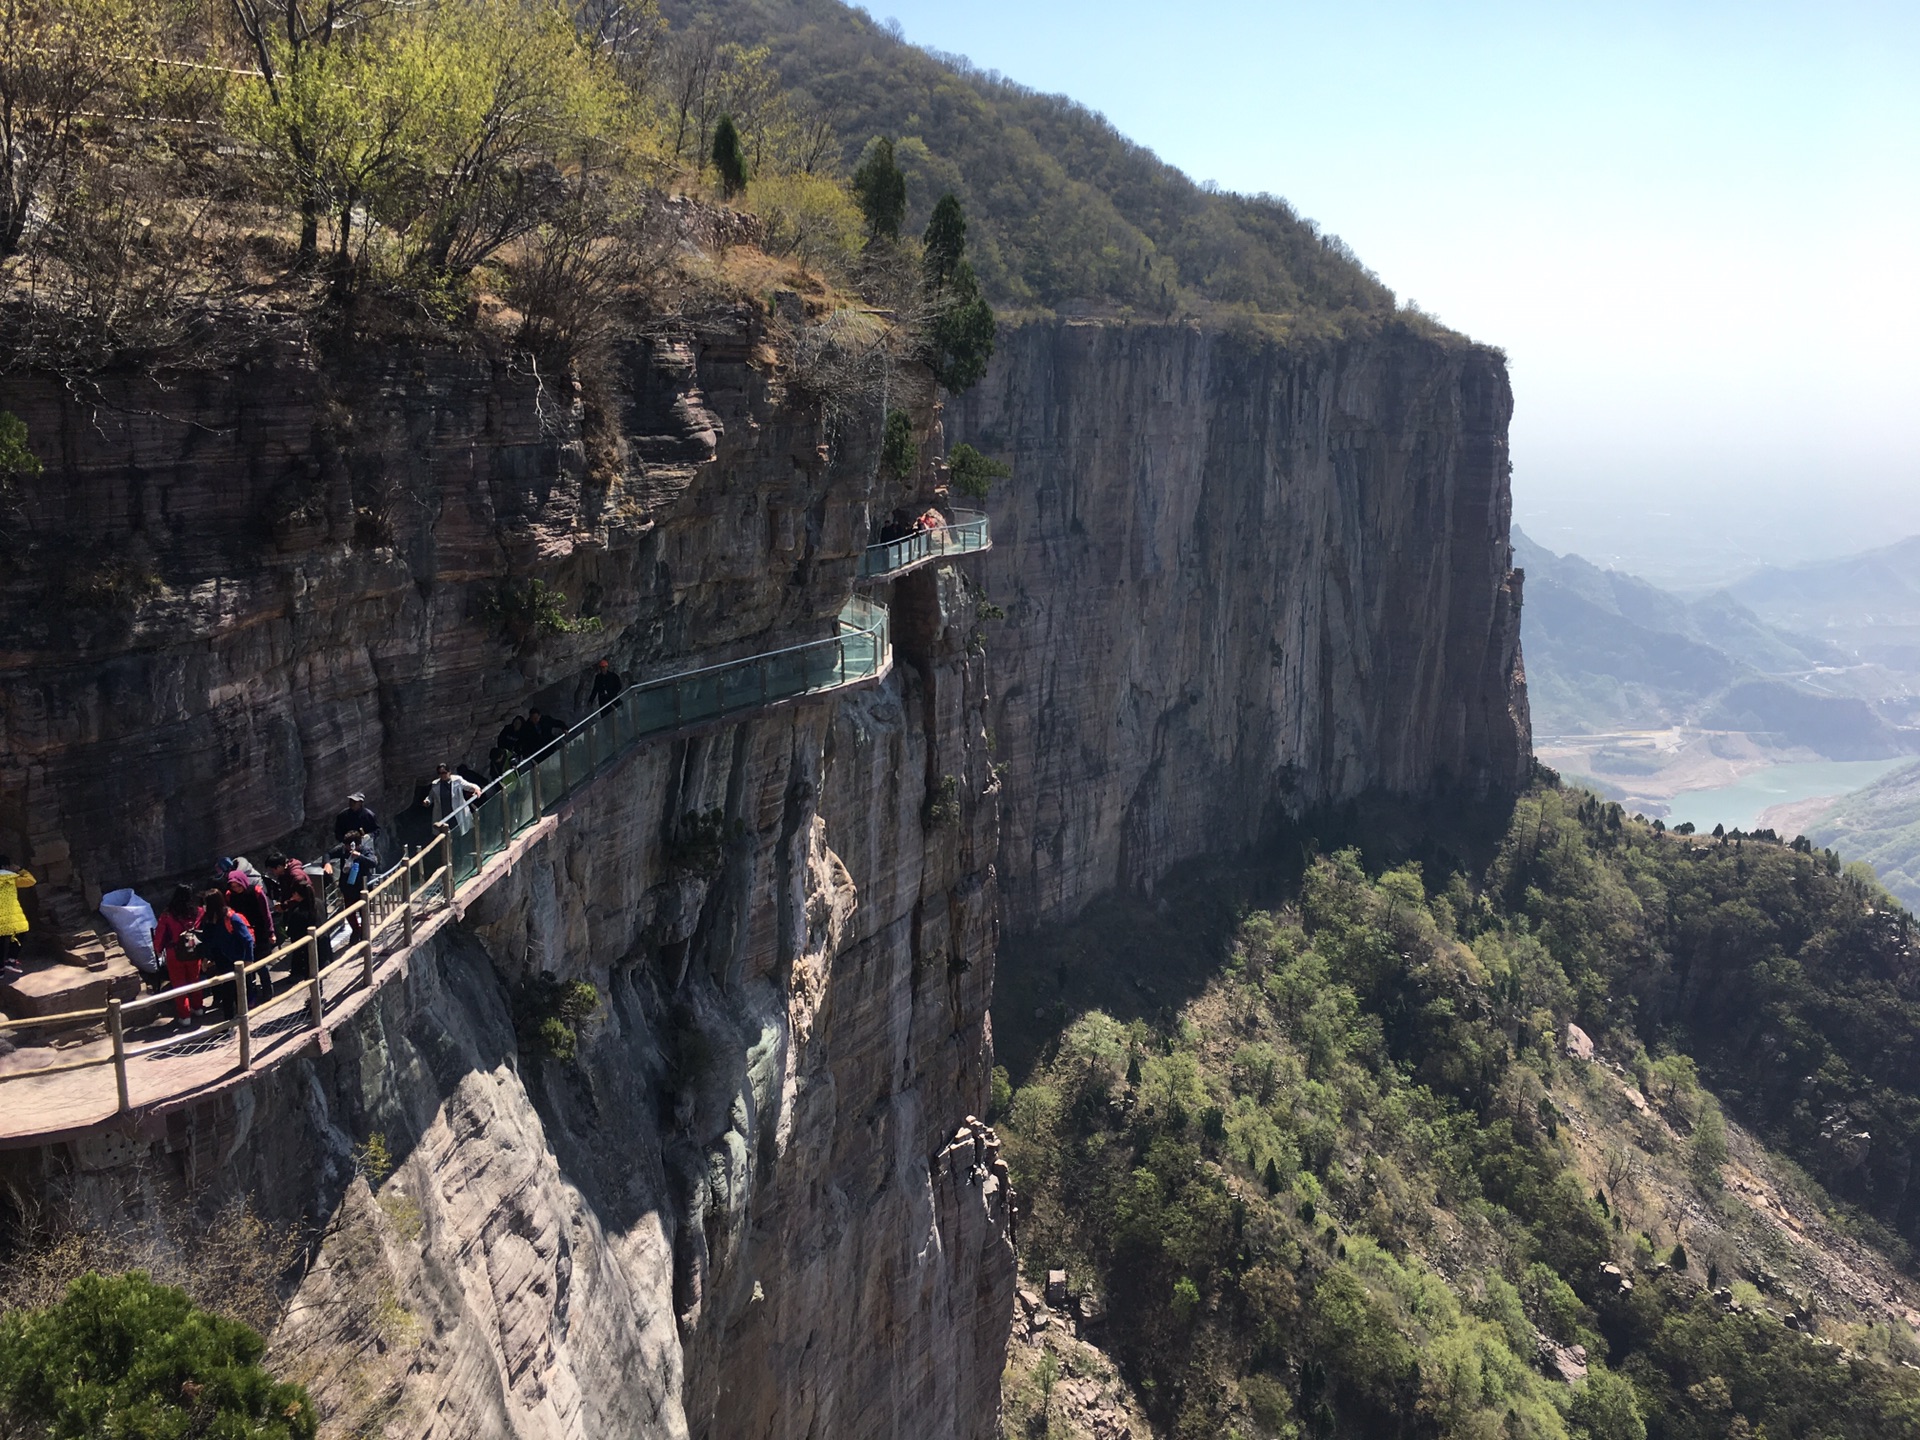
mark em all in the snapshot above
pixel 13 920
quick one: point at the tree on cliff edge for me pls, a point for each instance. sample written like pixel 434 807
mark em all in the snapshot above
pixel 959 336
pixel 729 157
pixel 880 189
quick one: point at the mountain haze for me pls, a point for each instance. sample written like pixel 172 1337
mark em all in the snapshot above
pixel 1606 650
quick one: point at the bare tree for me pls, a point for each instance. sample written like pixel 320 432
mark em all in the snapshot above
pixel 58 59
pixel 628 32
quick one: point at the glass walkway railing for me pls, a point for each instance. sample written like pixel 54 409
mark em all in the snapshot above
pixel 966 533
pixel 858 650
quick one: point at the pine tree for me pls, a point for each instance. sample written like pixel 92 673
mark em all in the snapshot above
pixel 729 157
pixel 959 338
pixel 945 242
pixel 881 191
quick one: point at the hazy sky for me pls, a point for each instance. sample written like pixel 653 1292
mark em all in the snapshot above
pixel 1695 228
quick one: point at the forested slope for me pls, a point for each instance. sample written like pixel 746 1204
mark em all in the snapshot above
pixel 1063 207
pixel 1347 1179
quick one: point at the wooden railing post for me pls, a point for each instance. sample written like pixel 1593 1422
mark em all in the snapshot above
pixel 117 1028
pixel 240 1014
pixel 316 1010
pixel 406 899
pixel 366 953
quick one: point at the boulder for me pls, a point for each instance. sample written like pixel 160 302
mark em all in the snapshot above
pixel 1565 1363
pixel 1579 1043
pixel 1056 1287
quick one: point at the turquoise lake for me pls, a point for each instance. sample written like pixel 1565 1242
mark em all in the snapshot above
pixel 1738 806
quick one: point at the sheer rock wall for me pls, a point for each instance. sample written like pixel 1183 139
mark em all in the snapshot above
pixel 754 1206
pixel 1241 579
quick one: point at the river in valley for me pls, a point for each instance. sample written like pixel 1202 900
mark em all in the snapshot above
pixel 1738 806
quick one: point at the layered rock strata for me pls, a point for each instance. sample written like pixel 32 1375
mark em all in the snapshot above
pixel 1242 579
pixel 755 1204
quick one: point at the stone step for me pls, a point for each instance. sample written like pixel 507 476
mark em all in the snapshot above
pixel 53 989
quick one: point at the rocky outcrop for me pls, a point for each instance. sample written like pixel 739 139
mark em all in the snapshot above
pixel 238 595
pixel 1242 579
pixel 755 1204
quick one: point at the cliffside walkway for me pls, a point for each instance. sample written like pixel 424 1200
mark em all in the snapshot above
pixel 85 1070
pixel 966 534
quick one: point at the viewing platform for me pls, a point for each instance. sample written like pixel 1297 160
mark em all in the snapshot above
pixel 111 1066
pixel 966 534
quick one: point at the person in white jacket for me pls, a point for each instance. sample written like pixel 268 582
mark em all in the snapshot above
pixel 452 797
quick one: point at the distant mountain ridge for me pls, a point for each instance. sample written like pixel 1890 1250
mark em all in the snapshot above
pixel 1880 825
pixel 1607 650
pixel 1868 602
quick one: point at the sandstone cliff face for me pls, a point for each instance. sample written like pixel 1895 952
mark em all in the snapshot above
pixel 239 595
pixel 1241 579
pixel 753 1207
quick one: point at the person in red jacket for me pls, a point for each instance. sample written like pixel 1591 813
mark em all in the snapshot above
pixel 177 944
pixel 296 909
pixel 245 894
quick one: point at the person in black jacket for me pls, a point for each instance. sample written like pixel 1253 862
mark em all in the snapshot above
pixel 296 908
pixel 544 730
pixel 357 816
pixel 607 684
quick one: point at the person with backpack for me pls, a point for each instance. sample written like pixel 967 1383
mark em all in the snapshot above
pixel 296 910
pixel 176 941
pixel 226 940
pixel 13 920
pixel 248 895
pixel 351 865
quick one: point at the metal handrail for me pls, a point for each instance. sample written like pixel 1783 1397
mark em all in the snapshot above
pixel 511 803
pixel 861 648
pixel 966 533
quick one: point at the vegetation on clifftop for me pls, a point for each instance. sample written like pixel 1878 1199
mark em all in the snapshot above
pixel 1353 1185
pixel 1065 208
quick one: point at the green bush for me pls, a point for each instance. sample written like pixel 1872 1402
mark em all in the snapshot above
pixel 522 610
pixel 1186 1299
pixel 1603 1407
pixel 17 459
pixel 548 1013
pixel 973 473
pixel 1000 1095
pixel 123 1357
pixel 899 454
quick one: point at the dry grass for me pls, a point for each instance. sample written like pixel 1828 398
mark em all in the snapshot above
pixel 231 1263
